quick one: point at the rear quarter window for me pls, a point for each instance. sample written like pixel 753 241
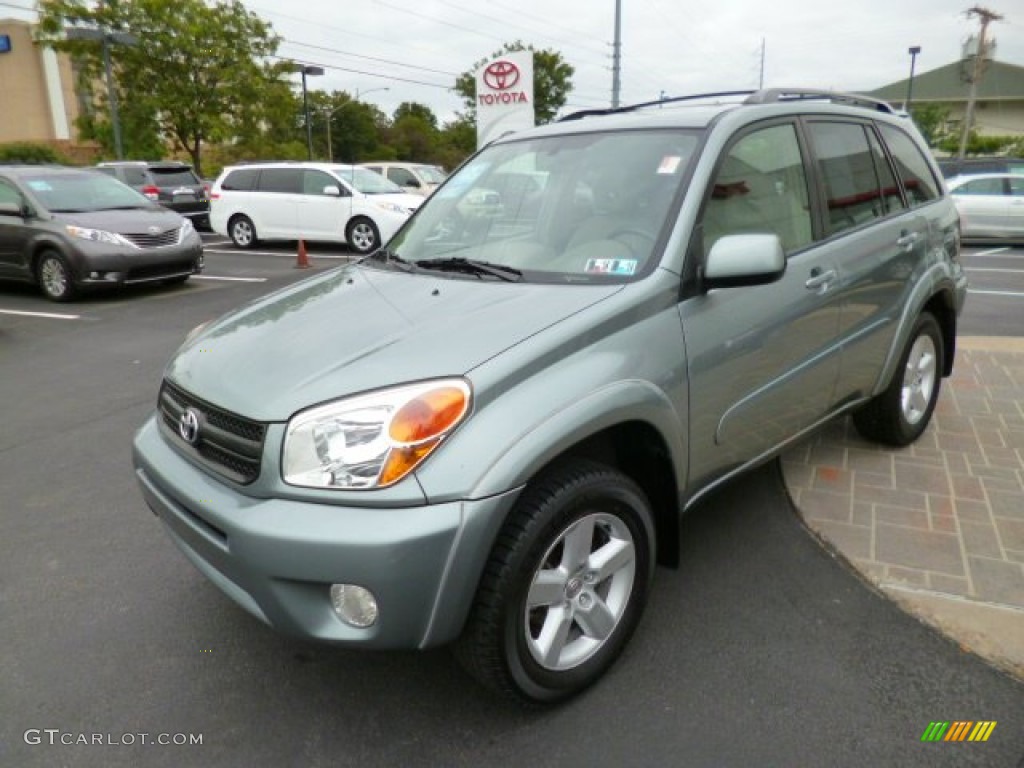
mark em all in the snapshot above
pixel 243 180
pixel 915 174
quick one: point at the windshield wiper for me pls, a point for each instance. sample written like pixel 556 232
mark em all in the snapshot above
pixel 473 267
pixel 387 257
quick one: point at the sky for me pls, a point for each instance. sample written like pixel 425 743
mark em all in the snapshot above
pixel 394 51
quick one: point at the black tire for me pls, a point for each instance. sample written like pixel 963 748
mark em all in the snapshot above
pixel 54 277
pixel 362 235
pixel 900 414
pixel 243 232
pixel 588 616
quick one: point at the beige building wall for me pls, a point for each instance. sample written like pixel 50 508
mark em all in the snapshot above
pixel 37 94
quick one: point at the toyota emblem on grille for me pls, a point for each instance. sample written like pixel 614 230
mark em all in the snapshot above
pixel 154 230
pixel 188 426
pixel 501 75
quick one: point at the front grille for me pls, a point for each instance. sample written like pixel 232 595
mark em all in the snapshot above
pixel 230 445
pixel 153 240
pixel 149 272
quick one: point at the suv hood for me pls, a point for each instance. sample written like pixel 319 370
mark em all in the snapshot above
pixel 358 329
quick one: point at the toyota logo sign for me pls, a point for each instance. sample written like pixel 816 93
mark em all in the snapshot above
pixel 188 426
pixel 501 75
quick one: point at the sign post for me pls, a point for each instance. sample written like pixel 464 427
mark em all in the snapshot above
pixel 504 96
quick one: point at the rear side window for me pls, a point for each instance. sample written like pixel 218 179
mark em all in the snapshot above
pixel 242 180
pixel 287 180
pixel 914 172
pixel 134 177
pixel 847 164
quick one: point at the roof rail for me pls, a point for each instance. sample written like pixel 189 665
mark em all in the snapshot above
pixel 773 95
pixel 630 107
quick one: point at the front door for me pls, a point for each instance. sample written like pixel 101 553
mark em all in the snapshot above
pixel 762 359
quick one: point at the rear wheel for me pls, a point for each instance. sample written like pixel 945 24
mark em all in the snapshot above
pixel 565 586
pixel 54 277
pixel 362 236
pixel 242 232
pixel 900 414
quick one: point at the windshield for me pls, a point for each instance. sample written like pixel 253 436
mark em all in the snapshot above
pixel 83 191
pixel 580 207
pixel 431 173
pixel 366 181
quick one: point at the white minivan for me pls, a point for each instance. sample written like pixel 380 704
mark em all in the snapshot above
pixel 308 201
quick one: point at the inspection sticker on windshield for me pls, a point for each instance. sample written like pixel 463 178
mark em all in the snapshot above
pixel 669 164
pixel 610 266
pixel 37 185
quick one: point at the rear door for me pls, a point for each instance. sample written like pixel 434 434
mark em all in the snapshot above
pixel 274 207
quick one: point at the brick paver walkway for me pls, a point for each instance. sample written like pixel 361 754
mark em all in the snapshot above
pixel 945 516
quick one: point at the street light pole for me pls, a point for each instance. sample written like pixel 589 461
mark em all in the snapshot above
pixel 370 90
pixel 308 69
pixel 913 51
pixel 106 37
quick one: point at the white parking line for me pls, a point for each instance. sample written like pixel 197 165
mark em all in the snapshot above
pixel 997 293
pixel 993 252
pixel 51 315
pixel 232 279
pixel 312 256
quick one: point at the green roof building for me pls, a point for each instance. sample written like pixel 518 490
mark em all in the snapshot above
pixel 999 105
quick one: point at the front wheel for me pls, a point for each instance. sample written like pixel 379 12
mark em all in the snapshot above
pixel 54 277
pixel 362 236
pixel 565 586
pixel 243 232
pixel 900 414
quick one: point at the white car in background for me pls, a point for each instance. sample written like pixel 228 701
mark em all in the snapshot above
pixel 991 205
pixel 415 178
pixel 308 201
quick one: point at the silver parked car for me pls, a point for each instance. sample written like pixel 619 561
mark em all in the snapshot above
pixel 991 205
pixel 588 327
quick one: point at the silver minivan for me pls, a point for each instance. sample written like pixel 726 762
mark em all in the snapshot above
pixel 587 328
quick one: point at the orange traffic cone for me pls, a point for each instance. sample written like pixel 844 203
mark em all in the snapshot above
pixel 302 260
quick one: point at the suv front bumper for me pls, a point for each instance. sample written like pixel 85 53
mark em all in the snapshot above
pixel 277 558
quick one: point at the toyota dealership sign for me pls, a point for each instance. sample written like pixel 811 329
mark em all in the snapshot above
pixel 504 96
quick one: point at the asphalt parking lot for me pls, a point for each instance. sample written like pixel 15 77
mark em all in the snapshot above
pixel 762 648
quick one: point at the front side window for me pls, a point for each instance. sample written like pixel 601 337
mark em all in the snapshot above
pixel 314 182
pixel 915 174
pixel 1016 186
pixel 402 177
pixel 760 188
pixel 569 208
pixel 8 194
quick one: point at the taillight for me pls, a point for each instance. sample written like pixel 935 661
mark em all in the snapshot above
pixel 215 196
pixel 153 193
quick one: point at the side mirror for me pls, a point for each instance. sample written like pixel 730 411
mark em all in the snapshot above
pixel 13 209
pixel 412 183
pixel 332 190
pixel 738 260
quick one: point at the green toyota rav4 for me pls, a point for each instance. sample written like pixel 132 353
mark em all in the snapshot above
pixel 484 433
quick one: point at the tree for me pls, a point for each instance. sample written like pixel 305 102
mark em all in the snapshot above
pixel 198 73
pixel 413 133
pixel 552 81
pixel 931 120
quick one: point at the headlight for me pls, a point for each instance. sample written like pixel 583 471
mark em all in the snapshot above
pixel 372 441
pixel 98 236
pixel 391 207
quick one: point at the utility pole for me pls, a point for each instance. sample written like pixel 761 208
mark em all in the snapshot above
pixel 987 17
pixel 617 54
pixel 760 82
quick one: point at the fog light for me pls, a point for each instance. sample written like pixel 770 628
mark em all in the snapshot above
pixel 354 605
